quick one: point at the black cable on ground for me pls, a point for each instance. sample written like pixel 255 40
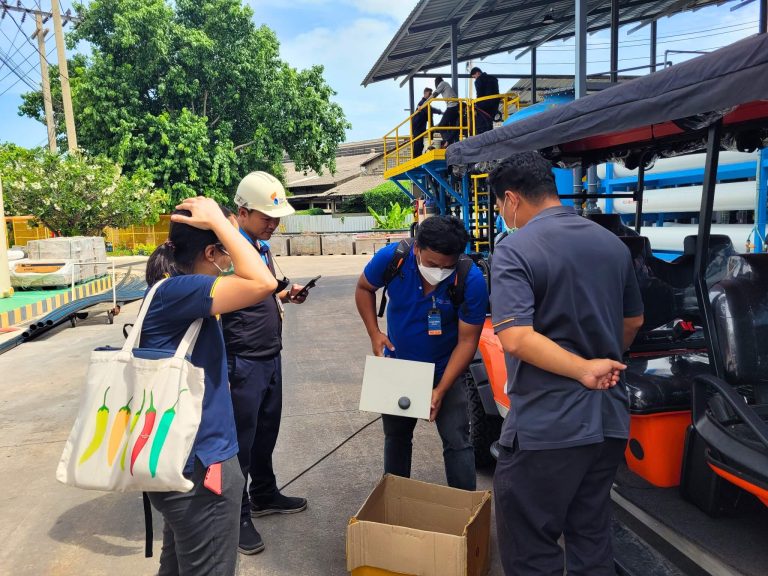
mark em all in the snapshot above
pixel 300 474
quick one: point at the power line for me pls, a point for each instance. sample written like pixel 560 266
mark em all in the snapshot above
pixel 31 69
pixel 640 43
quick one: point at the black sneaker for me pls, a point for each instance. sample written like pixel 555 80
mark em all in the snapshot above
pixel 250 539
pixel 280 505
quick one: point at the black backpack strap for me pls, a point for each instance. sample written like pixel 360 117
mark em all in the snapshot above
pixel 148 534
pixel 456 290
pixel 401 253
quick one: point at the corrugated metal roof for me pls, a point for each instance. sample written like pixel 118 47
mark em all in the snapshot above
pixel 347 167
pixel 489 27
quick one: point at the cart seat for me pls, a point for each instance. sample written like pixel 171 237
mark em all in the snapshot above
pixel 730 414
pixel 663 384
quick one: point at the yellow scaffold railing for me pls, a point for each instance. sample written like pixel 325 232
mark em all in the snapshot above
pixel 400 143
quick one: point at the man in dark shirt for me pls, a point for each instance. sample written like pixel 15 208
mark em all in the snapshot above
pixel 485 111
pixel 420 120
pixel 253 338
pixel 565 305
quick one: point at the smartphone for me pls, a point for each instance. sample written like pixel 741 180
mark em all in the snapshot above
pixel 308 286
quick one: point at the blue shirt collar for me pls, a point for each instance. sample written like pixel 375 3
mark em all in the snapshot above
pixel 260 245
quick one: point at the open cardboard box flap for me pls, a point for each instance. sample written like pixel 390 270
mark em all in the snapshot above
pixel 411 527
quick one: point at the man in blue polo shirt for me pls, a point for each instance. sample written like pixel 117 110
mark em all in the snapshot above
pixel 418 297
pixel 565 305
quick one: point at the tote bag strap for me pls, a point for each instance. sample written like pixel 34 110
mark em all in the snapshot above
pixel 133 338
pixel 190 337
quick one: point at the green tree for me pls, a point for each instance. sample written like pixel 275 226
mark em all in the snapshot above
pixel 382 196
pixel 194 93
pixel 75 194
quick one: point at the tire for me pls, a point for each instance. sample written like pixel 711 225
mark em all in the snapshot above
pixel 484 430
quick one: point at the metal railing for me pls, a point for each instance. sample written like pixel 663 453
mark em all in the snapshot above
pixel 399 142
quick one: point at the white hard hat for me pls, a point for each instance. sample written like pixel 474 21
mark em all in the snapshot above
pixel 263 192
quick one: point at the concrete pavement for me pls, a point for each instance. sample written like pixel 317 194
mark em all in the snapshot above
pixel 52 529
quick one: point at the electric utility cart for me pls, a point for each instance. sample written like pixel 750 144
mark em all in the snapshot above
pixel 697 372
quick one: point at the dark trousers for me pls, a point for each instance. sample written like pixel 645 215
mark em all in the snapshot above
pixel 450 118
pixel 201 529
pixel 483 118
pixel 418 142
pixel 452 424
pixel 543 494
pixel 257 398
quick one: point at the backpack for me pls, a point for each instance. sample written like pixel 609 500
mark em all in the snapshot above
pixel 455 290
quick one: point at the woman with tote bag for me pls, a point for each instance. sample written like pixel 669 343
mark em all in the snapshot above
pixel 201 529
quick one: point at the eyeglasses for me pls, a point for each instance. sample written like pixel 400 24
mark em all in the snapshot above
pixel 220 248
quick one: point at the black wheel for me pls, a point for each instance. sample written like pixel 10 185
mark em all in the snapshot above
pixel 81 315
pixel 484 430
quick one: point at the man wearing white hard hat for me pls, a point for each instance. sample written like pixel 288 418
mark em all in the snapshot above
pixel 253 338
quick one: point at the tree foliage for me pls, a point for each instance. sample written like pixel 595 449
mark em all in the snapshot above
pixel 74 194
pixel 382 196
pixel 194 93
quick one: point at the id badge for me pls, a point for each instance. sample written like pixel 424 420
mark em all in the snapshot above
pixel 434 323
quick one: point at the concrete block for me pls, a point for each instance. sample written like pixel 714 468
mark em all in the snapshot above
pixel 369 244
pixel 338 244
pixel 279 245
pixel 305 245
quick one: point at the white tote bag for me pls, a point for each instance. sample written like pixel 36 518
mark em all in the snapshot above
pixel 138 419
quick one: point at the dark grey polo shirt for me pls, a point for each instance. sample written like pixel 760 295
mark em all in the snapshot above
pixel 573 281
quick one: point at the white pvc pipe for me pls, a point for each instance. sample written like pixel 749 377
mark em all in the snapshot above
pixel 729 196
pixel 670 236
pixel 687 162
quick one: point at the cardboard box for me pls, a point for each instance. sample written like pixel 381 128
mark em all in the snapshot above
pixel 407 527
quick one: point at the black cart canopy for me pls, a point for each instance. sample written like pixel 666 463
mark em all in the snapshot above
pixel 663 111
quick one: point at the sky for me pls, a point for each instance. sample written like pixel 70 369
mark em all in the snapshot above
pixel 347 37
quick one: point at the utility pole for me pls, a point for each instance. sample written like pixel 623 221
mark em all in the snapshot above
pixel 66 95
pixel 40 33
pixel 5 278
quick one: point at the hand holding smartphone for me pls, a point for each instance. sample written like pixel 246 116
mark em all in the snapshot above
pixel 307 287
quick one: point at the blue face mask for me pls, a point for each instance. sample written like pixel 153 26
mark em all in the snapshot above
pixel 228 272
pixel 512 228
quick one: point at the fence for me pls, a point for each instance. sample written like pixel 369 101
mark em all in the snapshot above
pixel 329 224
pixel 133 236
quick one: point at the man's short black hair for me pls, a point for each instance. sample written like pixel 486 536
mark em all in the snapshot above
pixel 443 234
pixel 438 80
pixel 474 71
pixel 527 173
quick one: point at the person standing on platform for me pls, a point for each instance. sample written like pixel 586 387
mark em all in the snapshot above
pixel 253 338
pixel 450 120
pixel 420 120
pixel 485 111
pixel 566 305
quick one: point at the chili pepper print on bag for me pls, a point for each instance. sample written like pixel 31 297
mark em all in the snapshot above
pixel 119 426
pixel 146 431
pixel 161 435
pixel 138 421
pixel 102 419
pixel 134 421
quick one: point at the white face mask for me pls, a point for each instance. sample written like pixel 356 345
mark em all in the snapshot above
pixel 434 276
pixel 512 228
